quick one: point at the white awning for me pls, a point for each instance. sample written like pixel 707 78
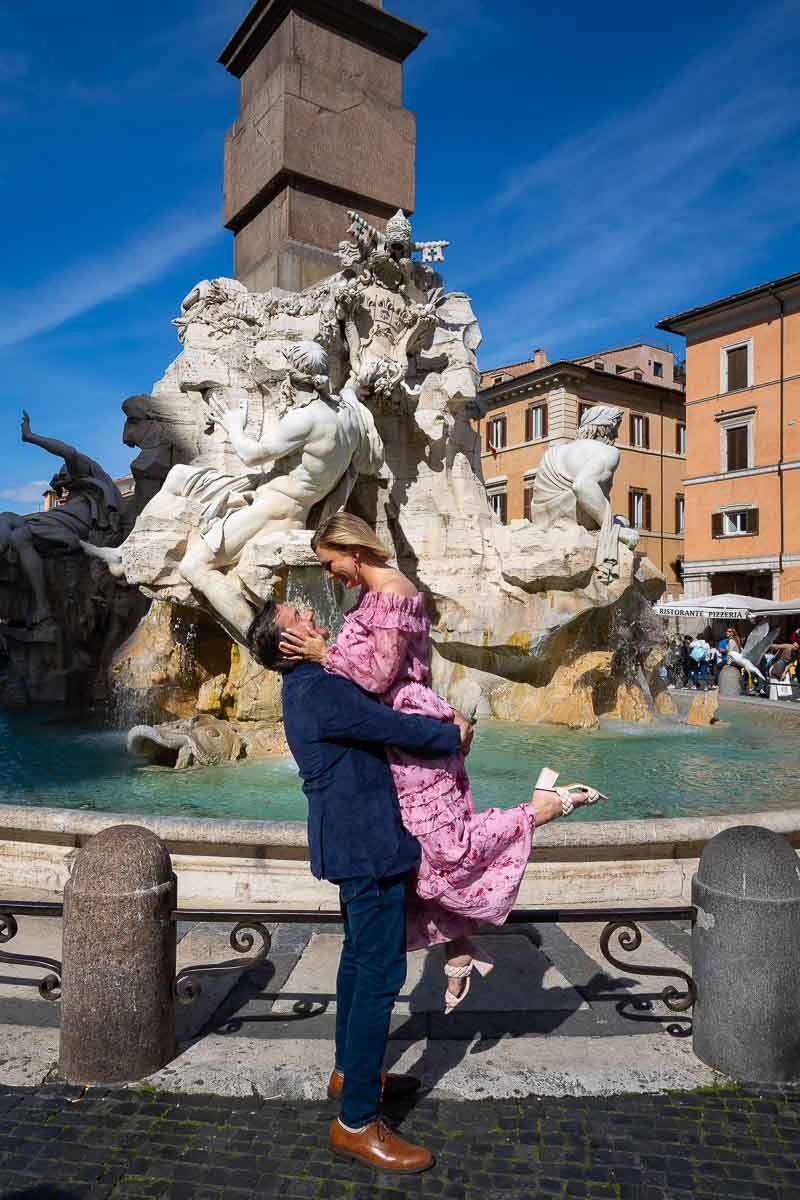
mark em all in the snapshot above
pixel 728 607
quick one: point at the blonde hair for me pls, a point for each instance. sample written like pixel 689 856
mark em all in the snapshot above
pixel 343 531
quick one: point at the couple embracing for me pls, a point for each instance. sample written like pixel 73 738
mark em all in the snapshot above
pixel 391 818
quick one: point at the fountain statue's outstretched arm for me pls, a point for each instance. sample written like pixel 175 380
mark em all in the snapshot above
pixel 77 463
pixel 290 434
pixel 108 554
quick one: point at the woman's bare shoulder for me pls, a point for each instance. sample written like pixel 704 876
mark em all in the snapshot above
pixel 396 584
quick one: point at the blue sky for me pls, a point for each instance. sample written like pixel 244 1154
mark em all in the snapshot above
pixel 595 167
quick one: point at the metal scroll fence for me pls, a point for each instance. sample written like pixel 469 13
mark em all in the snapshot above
pixel 251 940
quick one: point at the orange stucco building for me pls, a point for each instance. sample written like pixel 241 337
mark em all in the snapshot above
pixel 742 483
pixel 527 407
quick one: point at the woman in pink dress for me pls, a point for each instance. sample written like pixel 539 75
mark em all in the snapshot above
pixel 472 863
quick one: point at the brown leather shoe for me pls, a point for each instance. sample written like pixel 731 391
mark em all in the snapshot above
pixel 393 1087
pixel 378 1146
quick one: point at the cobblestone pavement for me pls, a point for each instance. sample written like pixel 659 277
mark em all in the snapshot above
pixel 59 1143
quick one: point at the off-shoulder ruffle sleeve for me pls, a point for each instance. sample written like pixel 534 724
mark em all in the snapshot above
pixel 371 658
pixel 372 646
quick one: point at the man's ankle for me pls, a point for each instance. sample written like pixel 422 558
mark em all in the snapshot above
pixel 352 1128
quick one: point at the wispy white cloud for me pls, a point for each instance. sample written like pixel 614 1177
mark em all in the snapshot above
pixel 644 212
pixel 25 493
pixel 103 277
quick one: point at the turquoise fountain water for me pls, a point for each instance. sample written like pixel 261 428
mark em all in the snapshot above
pixel 751 762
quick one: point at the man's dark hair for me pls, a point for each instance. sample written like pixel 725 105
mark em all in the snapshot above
pixel 264 638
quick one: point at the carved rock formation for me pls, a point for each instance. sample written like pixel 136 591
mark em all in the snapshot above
pixel 524 623
pixel 703 710
pixel 204 741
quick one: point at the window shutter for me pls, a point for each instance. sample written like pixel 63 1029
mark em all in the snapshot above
pixel 631 510
pixel 716 525
pixel 528 424
pixel 488 435
pixel 504 508
pixel 527 502
pixel 738 448
pixel 646 435
pixel 648 511
pixel 544 420
pixel 677 514
pixel 737 368
pixel 679 436
pixel 502 432
pixel 631 430
pixel 752 520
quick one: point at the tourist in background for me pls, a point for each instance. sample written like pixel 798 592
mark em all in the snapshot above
pixel 734 642
pixel 698 663
pixel 686 660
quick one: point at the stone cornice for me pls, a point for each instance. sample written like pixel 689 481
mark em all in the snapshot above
pixel 563 373
pixel 355 19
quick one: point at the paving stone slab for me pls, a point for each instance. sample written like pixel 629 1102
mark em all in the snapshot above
pixel 298 1069
pixel 524 980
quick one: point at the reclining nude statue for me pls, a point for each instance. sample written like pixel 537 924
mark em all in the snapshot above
pixel 313 453
pixel 89 506
pixel 573 485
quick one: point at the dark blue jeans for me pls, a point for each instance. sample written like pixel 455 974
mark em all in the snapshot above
pixel 372 970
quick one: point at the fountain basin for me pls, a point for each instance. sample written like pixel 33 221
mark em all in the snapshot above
pixel 223 864
pixel 677 787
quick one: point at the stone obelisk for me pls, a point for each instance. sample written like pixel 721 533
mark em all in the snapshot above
pixel 321 129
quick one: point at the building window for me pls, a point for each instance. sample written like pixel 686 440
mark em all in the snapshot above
pixel 497 379
pixel 680 438
pixel 658 369
pixel 737 445
pixel 527 500
pixel 599 365
pixel 536 423
pixel 498 502
pixel 734 522
pixel 621 370
pixel 736 367
pixel 680 514
pixel 638 376
pixel 640 508
pixel 496 433
pixel 640 431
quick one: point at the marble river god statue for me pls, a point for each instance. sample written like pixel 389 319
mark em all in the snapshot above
pixel 62 616
pixel 89 506
pixel 314 452
pixel 573 485
pixel 362 391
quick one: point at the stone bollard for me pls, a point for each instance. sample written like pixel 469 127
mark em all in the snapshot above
pixel 746 956
pixel 118 1005
pixel 730 682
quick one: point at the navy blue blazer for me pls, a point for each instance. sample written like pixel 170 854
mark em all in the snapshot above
pixel 338 734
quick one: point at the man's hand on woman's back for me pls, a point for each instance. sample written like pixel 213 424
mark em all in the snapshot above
pixel 465 729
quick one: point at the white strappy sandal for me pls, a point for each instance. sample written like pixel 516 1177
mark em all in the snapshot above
pixel 482 965
pixel 546 783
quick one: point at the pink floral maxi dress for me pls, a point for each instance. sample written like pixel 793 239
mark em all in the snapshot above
pixel 472 863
